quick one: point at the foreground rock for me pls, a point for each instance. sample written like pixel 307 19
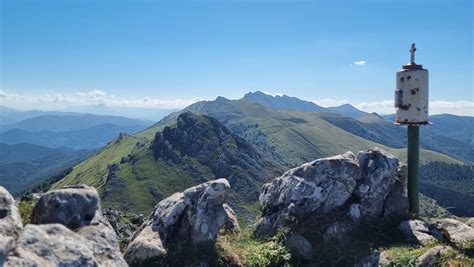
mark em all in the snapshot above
pixel 69 230
pixel 10 223
pixel 51 245
pixel 455 231
pixel 191 218
pixel 323 204
pixel 359 189
pixel 419 233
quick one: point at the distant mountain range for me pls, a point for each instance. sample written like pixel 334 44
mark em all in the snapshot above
pixel 62 123
pixel 135 171
pixel 248 141
pixel 89 138
pixel 450 134
pixel 349 110
pixel 282 102
pixel 73 130
pixel 10 115
pixel 23 166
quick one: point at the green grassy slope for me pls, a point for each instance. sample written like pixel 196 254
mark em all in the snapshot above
pixel 134 173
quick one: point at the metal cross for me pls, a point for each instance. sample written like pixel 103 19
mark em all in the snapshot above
pixel 412 52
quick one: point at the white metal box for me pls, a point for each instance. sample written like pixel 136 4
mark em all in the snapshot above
pixel 411 96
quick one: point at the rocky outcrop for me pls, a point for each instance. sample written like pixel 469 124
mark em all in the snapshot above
pixel 456 232
pixel 73 207
pixel 191 218
pixel 363 188
pixel 10 223
pixel 419 233
pixel 51 245
pixel 470 222
pixel 68 230
pixel 450 230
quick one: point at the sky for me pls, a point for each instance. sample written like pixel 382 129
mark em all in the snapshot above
pixel 169 54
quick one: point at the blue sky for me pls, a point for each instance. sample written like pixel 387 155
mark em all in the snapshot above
pixel 177 52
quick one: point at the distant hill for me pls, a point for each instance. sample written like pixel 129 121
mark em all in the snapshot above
pixel 456 127
pixel 450 134
pixel 452 185
pixel 349 110
pixel 151 114
pixel 10 116
pixel 89 138
pixel 283 102
pixel 62 123
pixel 194 150
pixel 23 166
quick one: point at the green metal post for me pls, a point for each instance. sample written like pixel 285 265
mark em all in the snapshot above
pixel 413 168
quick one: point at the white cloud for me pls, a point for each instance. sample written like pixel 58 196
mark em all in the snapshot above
pixel 329 102
pixel 54 100
pixel 272 94
pixel 359 63
pixel 460 107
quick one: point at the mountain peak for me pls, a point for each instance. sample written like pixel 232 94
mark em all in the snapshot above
pixel 349 110
pixel 280 102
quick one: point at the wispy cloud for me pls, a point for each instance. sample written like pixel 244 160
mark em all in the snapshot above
pixel 55 100
pixel 329 102
pixel 272 94
pixel 359 63
pixel 460 107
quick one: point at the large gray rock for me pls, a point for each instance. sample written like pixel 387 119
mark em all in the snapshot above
pixel 317 187
pixel 470 223
pixel 383 185
pixel 10 223
pixel 232 223
pixel 419 233
pixel 73 207
pixel 78 208
pixel 455 231
pixel 193 217
pixel 359 189
pixel 50 245
pixel 102 240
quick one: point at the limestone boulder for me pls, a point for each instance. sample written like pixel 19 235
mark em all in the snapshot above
pixel 317 187
pixel 455 231
pixel 50 245
pixel 232 223
pixel 78 208
pixel 419 233
pixel 73 207
pixel 352 189
pixel 10 223
pixel 470 223
pixel 189 218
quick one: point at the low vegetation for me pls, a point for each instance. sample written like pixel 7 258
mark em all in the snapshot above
pixel 252 251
